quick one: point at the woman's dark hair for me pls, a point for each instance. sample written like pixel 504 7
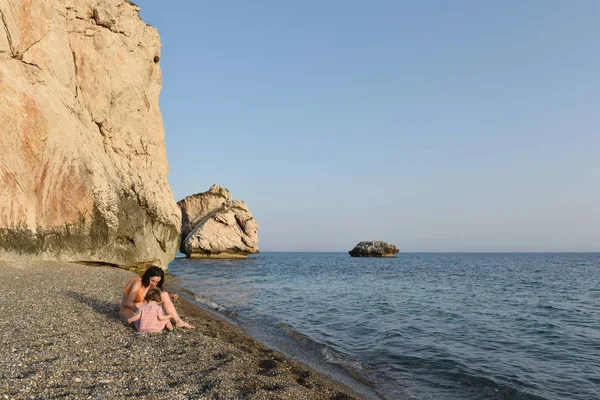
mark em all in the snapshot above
pixel 150 272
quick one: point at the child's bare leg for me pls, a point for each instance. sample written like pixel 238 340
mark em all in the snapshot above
pixel 169 326
pixel 170 309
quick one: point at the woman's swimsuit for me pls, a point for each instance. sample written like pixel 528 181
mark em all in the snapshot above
pixel 139 297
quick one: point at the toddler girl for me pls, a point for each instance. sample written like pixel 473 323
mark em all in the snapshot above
pixel 150 316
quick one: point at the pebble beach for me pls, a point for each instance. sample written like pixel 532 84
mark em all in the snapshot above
pixel 62 338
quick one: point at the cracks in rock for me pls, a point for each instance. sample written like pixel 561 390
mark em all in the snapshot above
pixel 144 151
pixel 32 64
pixel 19 184
pixel 20 56
pixel 8 36
pixel 240 223
pixel 105 138
pixel 11 175
pixel 161 244
pixel 14 53
pixel 246 241
pixel 126 240
pixel 76 71
pixel 113 97
pixel 102 129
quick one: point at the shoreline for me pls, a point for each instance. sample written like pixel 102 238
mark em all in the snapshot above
pixel 62 337
pixel 285 344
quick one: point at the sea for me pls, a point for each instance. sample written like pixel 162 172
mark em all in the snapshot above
pixel 420 325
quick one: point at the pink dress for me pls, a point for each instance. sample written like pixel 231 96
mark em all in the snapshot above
pixel 149 321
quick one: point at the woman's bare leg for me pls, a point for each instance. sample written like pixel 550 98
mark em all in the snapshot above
pixel 170 309
pixel 126 313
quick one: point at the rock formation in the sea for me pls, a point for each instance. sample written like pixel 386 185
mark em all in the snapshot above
pixel 83 167
pixel 216 226
pixel 376 248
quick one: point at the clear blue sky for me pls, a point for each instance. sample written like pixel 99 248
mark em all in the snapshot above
pixel 434 125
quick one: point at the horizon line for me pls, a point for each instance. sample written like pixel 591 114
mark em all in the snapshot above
pixel 440 252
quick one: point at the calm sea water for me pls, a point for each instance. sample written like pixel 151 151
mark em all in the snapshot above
pixel 425 326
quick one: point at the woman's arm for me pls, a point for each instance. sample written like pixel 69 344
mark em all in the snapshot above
pixel 133 290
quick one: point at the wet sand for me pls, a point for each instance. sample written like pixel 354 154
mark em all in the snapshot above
pixel 62 338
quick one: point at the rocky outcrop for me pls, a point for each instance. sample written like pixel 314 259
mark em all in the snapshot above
pixel 83 168
pixel 376 248
pixel 196 207
pixel 216 226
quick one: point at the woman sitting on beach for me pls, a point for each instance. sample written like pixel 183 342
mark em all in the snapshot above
pixel 136 289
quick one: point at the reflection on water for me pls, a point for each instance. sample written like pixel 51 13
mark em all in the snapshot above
pixel 217 280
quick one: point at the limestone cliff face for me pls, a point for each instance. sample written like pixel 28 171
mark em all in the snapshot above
pixel 83 168
pixel 216 226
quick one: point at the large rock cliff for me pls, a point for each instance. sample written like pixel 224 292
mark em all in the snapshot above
pixel 216 226
pixel 83 168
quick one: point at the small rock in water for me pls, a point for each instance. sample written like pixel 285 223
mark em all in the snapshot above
pixel 375 248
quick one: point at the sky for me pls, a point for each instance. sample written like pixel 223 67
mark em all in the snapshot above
pixel 438 126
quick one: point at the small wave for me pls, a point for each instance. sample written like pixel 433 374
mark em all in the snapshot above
pixel 215 306
pixel 443 371
pixel 335 357
pixel 294 334
pixel 354 367
pixel 358 370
